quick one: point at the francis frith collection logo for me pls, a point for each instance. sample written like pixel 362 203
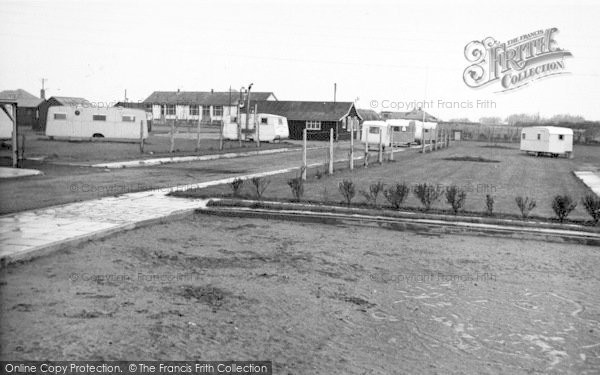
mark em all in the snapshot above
pixel 515 63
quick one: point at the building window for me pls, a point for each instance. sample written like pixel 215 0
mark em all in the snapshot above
pixel 523 136
pixel 205 111
pixel 99 117
pixel 313 125
pixel 148 107
pixel 170 109
pixel 194 110
pixel 60 116
pixel 264 120
pixel 218 110
pixel 128 118
pixel 561 137
pixel 539 137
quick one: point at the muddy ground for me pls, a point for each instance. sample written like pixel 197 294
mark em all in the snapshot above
pixel 312 298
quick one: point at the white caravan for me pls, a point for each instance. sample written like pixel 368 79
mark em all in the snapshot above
pixel 547 140
pixel 271 128
pixel 424 129
pixel 400 132
pixel 87 122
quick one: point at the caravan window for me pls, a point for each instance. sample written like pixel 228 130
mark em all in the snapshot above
pixel 561 137
pixel 280 121
pixel 539 136
pixel 127 118
pixel 264 120
pixel 373 130
pixel 523 135
pixel 99 117
pixel 60 116
pixel 404 128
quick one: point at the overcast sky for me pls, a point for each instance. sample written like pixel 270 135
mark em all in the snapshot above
pixel 378 53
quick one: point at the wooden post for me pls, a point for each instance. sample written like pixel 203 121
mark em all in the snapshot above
pixel 198 137
pixel 351 144
pixel 391 130
pixel 141 136
pixel 257 126
pixel 15 140
pixel 366 147
pixel 423 139
pixel 221 134
pixel 331 151
pixel 304 154
pixel 380 158
pixel 239 126
pixel 172 149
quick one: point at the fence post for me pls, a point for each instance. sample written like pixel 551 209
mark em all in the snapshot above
pixel 198 137
pixel 142 136
pixel 257 126
pixel 172 148
pixel 391 130
pixel 423 139
pixel 380 157
pixel 15 141
pixel 304 154
pixel 220 134
pixel 331 151
pixel 351 144
pixel 367 149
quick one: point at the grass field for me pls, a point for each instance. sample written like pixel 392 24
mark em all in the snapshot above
pixel 156 145
pixel 511 174
pixel 312 298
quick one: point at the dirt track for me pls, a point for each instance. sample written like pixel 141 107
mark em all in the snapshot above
pixel 313 299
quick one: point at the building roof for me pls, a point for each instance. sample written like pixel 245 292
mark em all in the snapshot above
pixel 203 97
pixel 415 114
pixel 139 105
pixel 306 111
pixel 21 97
pixel 368 115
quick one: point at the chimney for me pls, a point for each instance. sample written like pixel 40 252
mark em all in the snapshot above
pixel 212 91
pixel 43 94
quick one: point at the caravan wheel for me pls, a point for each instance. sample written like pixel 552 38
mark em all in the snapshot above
pixel 97 135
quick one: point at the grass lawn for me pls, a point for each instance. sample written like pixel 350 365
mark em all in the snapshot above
pixel 103 151
pixel 511 174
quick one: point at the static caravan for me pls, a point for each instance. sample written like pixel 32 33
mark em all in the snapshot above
pixel 86 122
pixel 547 140
pixel 271 128
pixel 424 130
pixel 402 131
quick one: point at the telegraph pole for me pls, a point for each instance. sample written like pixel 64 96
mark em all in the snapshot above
pixel 248 107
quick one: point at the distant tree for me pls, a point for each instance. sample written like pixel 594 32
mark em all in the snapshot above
pixel 460 119
pixel 523 118
pixel 490 120
pixel 566 118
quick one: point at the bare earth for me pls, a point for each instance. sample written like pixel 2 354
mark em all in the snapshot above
pixel 312 298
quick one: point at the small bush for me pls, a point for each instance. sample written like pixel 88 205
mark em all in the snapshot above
pixel 396 194
pixel 455 197
pixel 427 194
pixel 260 185
pixel 489 204
pixel 562 206
pixel 592 206
pixel 347 189
pixel 236 186
pixel 319 174
pixel 525 205
pixel 373 193
pixel 297 186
